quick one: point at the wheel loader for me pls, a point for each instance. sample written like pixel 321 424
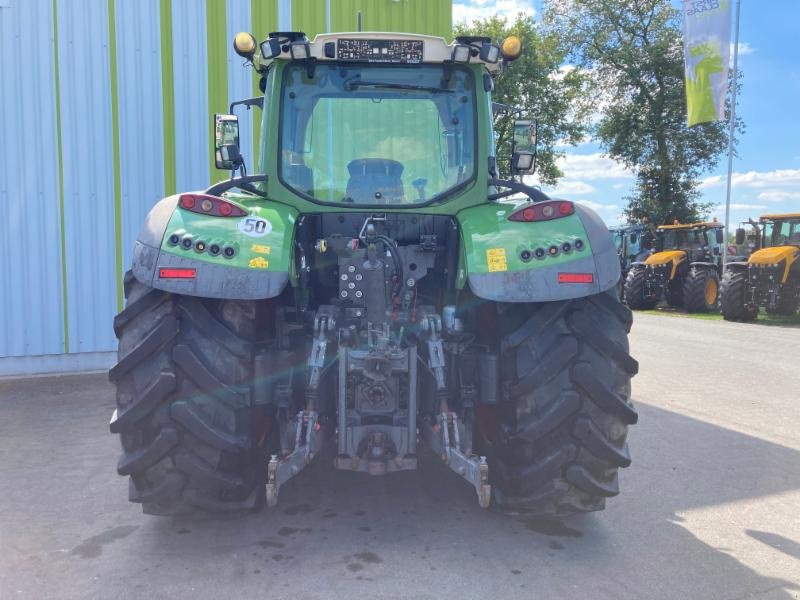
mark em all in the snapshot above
pixel 373 290
pixel 770 276
pixel 684 270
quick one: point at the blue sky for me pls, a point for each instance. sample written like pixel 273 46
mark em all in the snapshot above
pixel 767 171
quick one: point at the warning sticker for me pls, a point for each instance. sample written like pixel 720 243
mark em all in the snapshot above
pixel 260 249
pixel 496 259
pixel 259 262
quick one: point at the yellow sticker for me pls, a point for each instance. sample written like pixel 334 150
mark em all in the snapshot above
pixel 260 249
pixel 259 262
pixel 496 259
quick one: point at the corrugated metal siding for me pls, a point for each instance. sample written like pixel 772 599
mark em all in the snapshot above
pixel 191 94
pixel 240 78
pixel 86 135
pixel 431 17
pixel 42 312
pixel 140 114
pixel 31 320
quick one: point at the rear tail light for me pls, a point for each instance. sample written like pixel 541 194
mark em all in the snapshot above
pixel 543 211
pixel 215 206
pixel 575 278
pixel 177 273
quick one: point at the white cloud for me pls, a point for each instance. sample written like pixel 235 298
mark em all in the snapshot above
pixel 597 205
pixel 734 206
pixel 744 49
pixel 592 167
pixel 619 186
pixel 778 196
pixel 573 188
pixel 757 179
pixel 471 10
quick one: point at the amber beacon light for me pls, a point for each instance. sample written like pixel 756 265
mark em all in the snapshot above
pixel 511 48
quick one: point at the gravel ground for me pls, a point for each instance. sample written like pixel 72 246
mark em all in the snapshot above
pixel 709 509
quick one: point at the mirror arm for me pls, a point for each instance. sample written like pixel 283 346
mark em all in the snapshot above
pixel 516 186
pixel 245 183
pixel 257 101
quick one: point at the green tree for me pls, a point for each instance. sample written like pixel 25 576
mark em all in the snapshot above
pixel 632 50
pixel 536 83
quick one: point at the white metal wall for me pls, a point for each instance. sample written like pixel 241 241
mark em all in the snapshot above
pixel 85 155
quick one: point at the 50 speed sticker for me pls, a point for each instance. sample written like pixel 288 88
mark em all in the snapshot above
pixel 255 226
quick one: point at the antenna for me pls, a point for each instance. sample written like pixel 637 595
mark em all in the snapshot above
pixel 359 21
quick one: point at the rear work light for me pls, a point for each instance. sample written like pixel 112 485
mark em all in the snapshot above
pixel 177 273
pixel 575 278
pixel 205 204
pixel 543 211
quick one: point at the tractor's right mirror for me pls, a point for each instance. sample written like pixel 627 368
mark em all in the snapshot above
pixel 226 142
pixel 740 236
pixel 720 236
pixel 523 150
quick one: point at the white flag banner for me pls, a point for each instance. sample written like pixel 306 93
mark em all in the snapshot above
pixel 707 49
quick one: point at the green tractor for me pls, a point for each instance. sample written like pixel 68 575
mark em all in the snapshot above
pixel 375 289
pixel 770 276
pixel 684 270
pixel 631 244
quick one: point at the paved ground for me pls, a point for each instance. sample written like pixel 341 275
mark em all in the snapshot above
pixel 710 508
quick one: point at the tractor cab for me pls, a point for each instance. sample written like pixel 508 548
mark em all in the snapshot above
pixel 770 276
pixel 684 270
pixel 747 240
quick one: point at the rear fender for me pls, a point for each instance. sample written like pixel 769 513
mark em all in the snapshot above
pixel 259 268
pixel 499 269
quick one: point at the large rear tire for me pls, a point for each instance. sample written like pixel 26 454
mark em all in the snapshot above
pixel 733 294
pixel 634 291
pixel 701 290
pixel 561 431
pixel 184 402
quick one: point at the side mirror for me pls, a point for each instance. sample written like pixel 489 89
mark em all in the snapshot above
pixel 633 238
pixel 523 148
pixel 226 142
pixel 720 236
pixel 740 236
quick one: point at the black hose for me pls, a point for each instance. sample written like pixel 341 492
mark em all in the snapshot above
pixel 398 262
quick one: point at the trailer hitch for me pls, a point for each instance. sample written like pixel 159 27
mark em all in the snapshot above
pixel 444 438
pixel 307 443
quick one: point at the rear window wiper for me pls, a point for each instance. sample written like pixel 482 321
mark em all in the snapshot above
pixel 357 83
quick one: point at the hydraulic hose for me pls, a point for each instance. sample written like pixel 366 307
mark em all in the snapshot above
pixel 398 261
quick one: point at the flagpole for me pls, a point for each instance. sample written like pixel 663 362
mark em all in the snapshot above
pixel 731 130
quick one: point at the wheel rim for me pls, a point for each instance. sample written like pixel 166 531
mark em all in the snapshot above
pixel 711 291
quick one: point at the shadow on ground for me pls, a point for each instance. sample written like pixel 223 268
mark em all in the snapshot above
pixel 68 530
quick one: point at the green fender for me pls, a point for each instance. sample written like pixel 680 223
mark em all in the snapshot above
pixel 580 258
pixel 260 264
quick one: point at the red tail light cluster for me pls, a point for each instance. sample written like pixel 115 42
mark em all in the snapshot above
pixel 205 204
pixel 543 211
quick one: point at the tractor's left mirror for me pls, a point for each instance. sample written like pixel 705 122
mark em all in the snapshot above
pixel 226 142
pixel 523 148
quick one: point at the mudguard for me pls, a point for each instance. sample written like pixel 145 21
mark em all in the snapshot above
pixel 260 261
pixel 501 264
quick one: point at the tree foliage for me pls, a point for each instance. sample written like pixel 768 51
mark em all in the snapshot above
pixel 535 82
pixel 632 51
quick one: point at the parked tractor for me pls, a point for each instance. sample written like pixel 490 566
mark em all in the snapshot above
pixel 629 242
pixel 770 277
pixel 684 271
pixel 375 290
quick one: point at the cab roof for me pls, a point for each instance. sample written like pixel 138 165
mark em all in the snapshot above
pixel 779 216
pixel 386 48
pixel 707 225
